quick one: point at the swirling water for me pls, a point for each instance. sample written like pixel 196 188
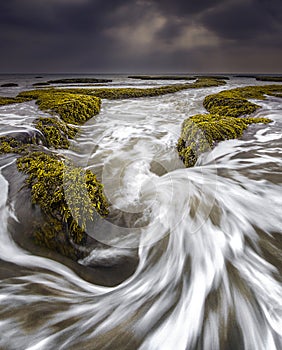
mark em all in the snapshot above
pixel 207 238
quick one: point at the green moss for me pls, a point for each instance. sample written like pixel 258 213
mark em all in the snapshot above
pixel 56 132
pixel 51 181
pixel 202 131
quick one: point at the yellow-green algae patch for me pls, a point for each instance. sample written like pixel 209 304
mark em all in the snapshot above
pixel 56 133
pixel 49 177
pixel 10 144
pixel 73 108
pixel 226 120
pixel 202 131
pixel 235 102
pixel 10 100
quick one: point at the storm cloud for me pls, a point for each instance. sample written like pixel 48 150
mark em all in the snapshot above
pixel 140 36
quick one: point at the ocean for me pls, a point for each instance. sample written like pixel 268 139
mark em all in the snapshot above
pixel 190 258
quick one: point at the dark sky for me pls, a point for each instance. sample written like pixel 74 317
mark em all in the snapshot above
pixel 88 36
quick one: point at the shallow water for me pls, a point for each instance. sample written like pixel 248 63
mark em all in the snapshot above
pixel 208 238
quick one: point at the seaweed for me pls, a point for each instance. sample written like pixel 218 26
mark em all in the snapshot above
pixel 51 180
pixel 10 100
pixel 56 132
pixel 73 108
pixel 202 132
pixel 235 102
pixel 10 144
pixel 227 105
pixel 226 120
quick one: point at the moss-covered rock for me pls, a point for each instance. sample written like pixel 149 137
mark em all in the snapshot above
pixel 51 179
pixel 9 100
pixel 235 102
pixel 67 196
pixel 226 105
pixel 225 120
pixel 56 132
pixel 201 132
pixel 10 144
pixel 71 107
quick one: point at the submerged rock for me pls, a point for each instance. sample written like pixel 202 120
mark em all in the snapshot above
pixel 9 85
pixel 79 81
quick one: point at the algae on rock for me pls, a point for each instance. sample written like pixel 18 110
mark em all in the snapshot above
pixel 226 120
pixel 72 108
pixel 56 132
pixel 10 100
pixel 51 180
pixel 202 131
pixel 9 144
pixel 235 102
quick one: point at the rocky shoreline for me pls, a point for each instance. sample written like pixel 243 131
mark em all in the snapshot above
pixel 38 176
